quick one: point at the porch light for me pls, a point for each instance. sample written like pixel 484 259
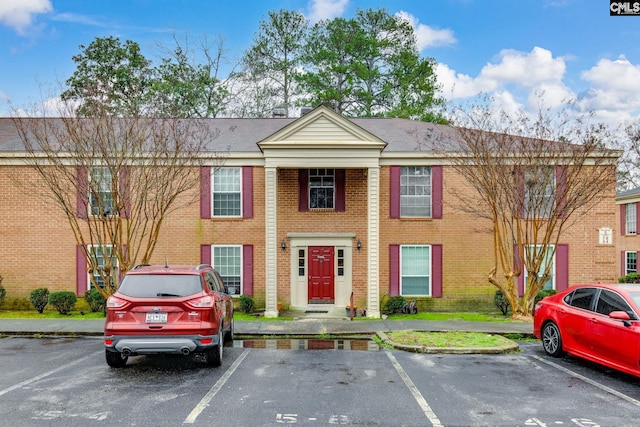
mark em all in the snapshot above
pixel 359 245
pixel 283 245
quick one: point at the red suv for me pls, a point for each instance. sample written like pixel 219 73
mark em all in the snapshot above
pixel 168 310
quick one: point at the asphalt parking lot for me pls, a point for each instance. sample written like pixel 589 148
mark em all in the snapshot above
pixel 65 381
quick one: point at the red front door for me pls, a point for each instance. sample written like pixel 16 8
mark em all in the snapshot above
pixel 321 275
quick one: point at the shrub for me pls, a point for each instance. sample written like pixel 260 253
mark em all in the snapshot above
pixel 542 294
pixel 247 304
pixel 63 301
pixel 630 278
pixel 3 293
pixel 501 302
pixel 39 298
pixel 394 305
pixel 96 301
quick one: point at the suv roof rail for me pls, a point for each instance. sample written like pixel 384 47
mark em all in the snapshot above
pixel 135 267
pixel 203 266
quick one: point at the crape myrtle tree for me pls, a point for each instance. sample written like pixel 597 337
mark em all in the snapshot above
pixel 532 178
pixel 116 179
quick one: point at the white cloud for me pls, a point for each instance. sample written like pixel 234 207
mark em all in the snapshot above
pixel 614 85
pixel 537 74
pixel 18 14
pixel 525 69
pixel 428 36
pixel 326 9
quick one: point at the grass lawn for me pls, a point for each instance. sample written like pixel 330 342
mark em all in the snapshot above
pixel 448 339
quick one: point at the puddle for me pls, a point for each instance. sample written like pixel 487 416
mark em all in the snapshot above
pixel 307 344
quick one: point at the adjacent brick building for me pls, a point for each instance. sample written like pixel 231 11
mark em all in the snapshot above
pixel 306 212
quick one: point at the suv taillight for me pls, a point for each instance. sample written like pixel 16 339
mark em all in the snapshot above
pixel 202 302
pixel 115 302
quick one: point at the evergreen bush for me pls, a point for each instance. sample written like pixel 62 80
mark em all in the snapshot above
pixel 247 304
pixel 96 301
pixel 39 298
pixel 394 305
pixel 63 301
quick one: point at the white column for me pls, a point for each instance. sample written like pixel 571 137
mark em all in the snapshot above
pixel 373 242
pixel 271 241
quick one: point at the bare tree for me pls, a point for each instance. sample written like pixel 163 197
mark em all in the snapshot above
pixel 531 178
pixel 116 179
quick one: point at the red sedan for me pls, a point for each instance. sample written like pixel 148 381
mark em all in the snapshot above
pixel 600 323
pixel 171 310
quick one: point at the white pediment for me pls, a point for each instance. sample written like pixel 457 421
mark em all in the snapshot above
pixel 322 128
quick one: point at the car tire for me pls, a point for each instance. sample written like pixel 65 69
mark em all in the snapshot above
pixel 552 340
pixel 214 355
pixel 115 359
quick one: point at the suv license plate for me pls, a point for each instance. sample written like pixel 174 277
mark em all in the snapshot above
pixel 156 317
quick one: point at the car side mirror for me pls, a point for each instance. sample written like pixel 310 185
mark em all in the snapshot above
pixel 621 315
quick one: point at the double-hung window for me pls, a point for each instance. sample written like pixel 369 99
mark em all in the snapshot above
pixel 103 257
pixel 415 192
pixel 227 192
pixel 228 261
pixel 546 254
pixel 539 197
pixel 630 218
pixel 322 188
pixel 631 262
pixel 101 185
pixel 415 270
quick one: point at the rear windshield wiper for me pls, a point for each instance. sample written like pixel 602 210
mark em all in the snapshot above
pixel 161 294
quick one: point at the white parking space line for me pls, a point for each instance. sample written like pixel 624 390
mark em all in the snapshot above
pixel 216 387
pixel 426 409
pixel 588 380
pixel 46 374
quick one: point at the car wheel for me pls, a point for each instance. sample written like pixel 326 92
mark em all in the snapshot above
pixel 115 359
pixel 214 355
pixel 551 340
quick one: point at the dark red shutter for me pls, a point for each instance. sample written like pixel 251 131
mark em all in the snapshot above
pixel 205 254
pixel 436 271
pixel 623 222
pixel 303 190
pixel 623 263
pixel 81 272
pixel 637 218
pixel 561 188
pixel 124 193
pixel 436 192
pixel 394 192
pixel 394 270
pixel 82 196
pixel 247 270
pixel 562 267
pixel 341 190
pixel 247 192
pixel 205 192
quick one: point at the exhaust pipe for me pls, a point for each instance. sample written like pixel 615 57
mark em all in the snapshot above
pixel 185 351
pixel 126 351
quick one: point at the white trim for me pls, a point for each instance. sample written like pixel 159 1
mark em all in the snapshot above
pixel 553 269
pixel 429 263
pixel 212 185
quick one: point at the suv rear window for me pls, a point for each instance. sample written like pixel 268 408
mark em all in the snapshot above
pixel 160 285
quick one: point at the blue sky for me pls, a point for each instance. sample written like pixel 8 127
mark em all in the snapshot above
pixel 512 50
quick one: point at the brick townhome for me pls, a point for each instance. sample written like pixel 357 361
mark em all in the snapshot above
pixel 629 237
pixel 317 207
